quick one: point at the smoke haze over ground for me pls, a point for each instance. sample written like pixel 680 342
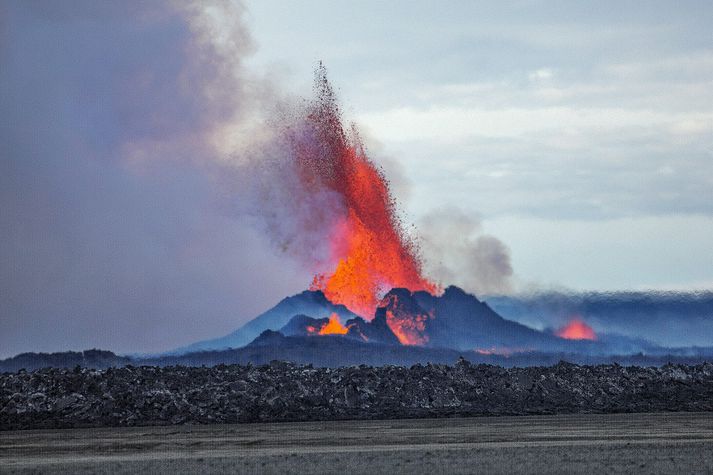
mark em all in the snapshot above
pixel 111 230
pixel 666 318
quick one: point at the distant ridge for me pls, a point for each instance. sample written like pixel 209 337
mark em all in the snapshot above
pixel 334 351
pixel 673 319
pixel 98 359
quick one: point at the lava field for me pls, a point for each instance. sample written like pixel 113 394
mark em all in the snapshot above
pixel 279 391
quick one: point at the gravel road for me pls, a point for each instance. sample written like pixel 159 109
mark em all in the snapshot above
pixel 613 443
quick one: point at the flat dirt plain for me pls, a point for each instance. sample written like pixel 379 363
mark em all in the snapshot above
pixel 615 443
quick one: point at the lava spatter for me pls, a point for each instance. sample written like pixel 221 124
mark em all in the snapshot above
pixel 369 251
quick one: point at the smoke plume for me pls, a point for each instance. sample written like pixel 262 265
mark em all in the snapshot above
pixel 457 252
pixel 113 232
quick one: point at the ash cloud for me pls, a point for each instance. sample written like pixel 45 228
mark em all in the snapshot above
pixel 456 251
pixel 112 233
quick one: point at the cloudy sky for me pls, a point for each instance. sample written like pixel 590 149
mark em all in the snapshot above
pixel 580 132
pixel 580 135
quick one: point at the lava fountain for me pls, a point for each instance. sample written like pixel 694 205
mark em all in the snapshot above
pixel 369 251
pixel 333 327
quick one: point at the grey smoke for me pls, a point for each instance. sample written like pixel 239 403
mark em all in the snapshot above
pixel 456 251
pixel 112 234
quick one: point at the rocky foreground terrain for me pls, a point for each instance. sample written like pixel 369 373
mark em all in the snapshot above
pixel 57 398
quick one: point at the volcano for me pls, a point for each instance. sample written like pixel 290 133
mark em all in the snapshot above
pixel 454 320
pixel 310 303
pixel 332 206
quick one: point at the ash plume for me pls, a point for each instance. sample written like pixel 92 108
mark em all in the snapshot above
pixel 457 252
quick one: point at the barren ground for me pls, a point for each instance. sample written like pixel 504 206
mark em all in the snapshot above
pixel 615 443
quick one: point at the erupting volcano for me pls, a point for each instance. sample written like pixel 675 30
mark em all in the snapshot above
pixel 369 252
pixel 324 201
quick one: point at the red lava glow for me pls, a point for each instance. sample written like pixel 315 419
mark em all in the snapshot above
pixel 577 330
pixel 370 253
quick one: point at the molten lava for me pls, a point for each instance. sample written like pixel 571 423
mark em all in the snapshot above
pixel 334 327
pixel 576 330
pixel 407 323
pixel 369 251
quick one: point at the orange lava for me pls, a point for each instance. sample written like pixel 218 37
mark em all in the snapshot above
pixel 409 327
pixel 576 330
pixel 334 327
pixel 370 253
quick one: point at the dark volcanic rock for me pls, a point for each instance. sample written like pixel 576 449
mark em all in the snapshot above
pixel 280 391
pixel 375 331
pixel 98 359
pixel 457 319
pixel 299 325
pixel 310 302
pixel 334 351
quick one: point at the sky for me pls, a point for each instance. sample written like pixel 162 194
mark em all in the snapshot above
pixel 579 135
